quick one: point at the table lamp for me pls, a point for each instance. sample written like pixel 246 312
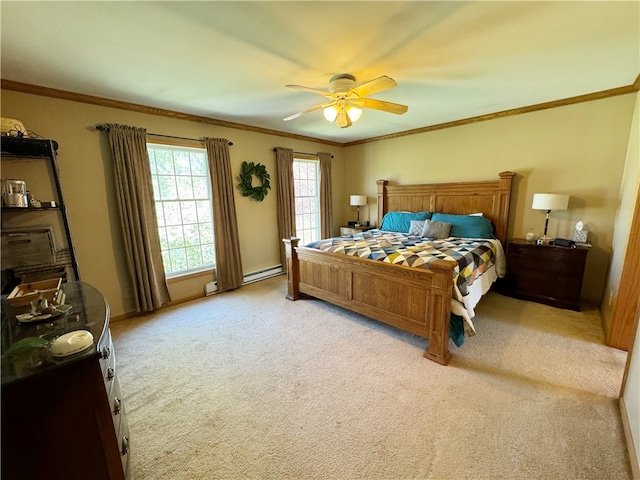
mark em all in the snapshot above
pixel 548 202
pixel 358 201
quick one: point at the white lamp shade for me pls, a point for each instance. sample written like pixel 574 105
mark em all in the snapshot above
pixel 358 200
pixel 550 201
pixel 330 113
pixel 354 113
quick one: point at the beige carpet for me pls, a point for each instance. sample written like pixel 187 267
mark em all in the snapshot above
pixel 247 384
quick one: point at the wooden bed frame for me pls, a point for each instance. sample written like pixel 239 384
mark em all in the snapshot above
pixel 412 299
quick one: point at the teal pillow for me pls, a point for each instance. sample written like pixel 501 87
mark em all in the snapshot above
pixel 401 221
pixel 466 226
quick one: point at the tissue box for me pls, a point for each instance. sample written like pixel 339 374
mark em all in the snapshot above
pixel 580 236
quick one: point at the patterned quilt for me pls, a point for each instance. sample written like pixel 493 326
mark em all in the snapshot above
pixel 473 257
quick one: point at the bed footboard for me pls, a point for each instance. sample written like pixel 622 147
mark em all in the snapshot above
pixel 413 299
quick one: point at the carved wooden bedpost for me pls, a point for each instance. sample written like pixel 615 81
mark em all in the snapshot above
pixel 293 268
pixel 382 200
pixel 440 311
pixel 504 198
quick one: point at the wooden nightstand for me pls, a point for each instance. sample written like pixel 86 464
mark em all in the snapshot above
pixel 347 230
pixel 546 274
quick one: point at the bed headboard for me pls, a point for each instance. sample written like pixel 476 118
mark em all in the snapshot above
pixel 463 198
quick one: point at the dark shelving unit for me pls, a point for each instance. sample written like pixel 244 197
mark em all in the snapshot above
pixel 20 149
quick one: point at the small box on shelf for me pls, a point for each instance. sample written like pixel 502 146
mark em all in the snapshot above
pixel 23 294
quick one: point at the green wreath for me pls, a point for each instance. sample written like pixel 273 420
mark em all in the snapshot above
pixel 247 172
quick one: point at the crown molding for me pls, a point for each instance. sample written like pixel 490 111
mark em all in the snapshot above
pixel 135 107
pixel 106 102
pixel 589 97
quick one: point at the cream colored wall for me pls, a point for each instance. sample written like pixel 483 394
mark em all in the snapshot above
pixel 86 175
pixel 629 188
pixel 579 150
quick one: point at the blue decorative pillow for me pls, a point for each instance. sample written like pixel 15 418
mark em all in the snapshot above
pixel 466 226
pixel 401 221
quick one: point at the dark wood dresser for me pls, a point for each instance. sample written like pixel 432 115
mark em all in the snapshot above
pixel 63 417
pixel 546 274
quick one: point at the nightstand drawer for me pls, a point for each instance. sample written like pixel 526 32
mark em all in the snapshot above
pixel 549 259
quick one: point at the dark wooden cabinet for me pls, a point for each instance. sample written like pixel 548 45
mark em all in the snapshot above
pixel 63 417
pixel 546 274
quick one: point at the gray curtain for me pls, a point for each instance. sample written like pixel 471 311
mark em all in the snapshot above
pixel 225 224
pixel 326 210
pixel 138 216
pixel 286 203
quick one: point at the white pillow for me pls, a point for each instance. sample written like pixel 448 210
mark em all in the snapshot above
pixel 416 227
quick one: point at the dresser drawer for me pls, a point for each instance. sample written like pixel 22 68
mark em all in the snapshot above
pixel 108 367
pixel 116 403
pixel 556 260
pixel 105 347
pixel 125 444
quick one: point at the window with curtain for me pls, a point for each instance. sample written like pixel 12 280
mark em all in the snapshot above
pixel 183 200
pixel 306 177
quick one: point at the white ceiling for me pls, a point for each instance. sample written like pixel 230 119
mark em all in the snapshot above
pixel 231 60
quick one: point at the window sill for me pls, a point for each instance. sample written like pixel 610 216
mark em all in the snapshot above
pixel 190 275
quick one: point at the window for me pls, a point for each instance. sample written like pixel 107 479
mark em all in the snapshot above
pixel 182 192
pixel 306 191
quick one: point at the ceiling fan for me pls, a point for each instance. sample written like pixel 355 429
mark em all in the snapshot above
pixel 346 100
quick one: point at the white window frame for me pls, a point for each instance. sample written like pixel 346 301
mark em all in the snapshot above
pixel 199 205
pixel 308 229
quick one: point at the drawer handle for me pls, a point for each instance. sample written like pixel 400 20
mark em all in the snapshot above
pixel 110 374
pixel 125 445
pixel 117 405
pixel 106 352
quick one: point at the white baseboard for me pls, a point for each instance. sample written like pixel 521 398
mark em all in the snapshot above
pixel 212 287
pixel 633 457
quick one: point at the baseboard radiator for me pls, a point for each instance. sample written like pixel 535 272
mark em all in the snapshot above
pixel 212 287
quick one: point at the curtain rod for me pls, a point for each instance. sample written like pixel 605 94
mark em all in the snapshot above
pixel 275 149
pixel 104 128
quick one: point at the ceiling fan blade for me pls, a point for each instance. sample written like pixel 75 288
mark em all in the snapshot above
pixel 312 90
pixel 316 107
pixel 374 86
pixel 384 106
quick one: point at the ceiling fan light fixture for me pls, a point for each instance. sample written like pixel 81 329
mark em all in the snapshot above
pixel 330 113
pixel 346 99
pixel 343 120
pixel 354 113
